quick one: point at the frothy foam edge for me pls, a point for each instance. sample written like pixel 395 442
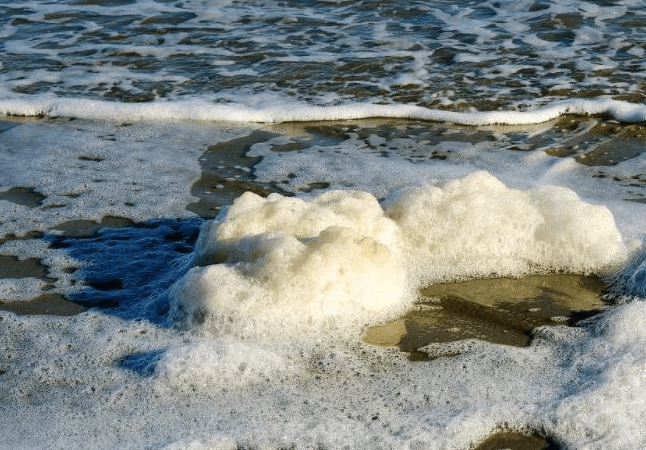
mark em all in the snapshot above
pixel 290 111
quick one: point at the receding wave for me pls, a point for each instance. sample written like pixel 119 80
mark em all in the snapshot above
pixel 291 111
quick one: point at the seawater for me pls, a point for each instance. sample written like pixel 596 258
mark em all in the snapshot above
pixel 207 207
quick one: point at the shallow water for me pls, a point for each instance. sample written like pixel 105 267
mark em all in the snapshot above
pixel 260 224
pixel 499 310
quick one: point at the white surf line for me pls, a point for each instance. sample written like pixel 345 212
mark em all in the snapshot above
pixel 203 111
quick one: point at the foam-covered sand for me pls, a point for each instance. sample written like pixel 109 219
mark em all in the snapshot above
pixel 269 323
pixel 225 392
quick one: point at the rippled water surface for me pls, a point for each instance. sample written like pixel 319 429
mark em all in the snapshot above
pixel 476 54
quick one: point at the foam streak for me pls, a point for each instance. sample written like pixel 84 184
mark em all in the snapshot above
pixel 202 111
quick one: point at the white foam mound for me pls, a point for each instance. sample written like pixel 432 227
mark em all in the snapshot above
pixel 475 226
pixel 283 262
pixel 280 110
pixel 280 265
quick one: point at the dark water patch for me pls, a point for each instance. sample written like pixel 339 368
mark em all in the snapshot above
pixel 569 20
pixel 12 267
pixel 613 152
pixel 288 147
pixel 332 133
pixel 123 95
pixel 105 284
pixel 543 22
pixel 482 12
pixel 216 191
pixel 226 173
pixel 359 69
pixel 509 440
pixel 314 186
pixel 618 143
pixel 127 270
pixel 44 304
pixel 169 19
pixel 594 141
pixel 25 196
pixel 105 3
pixel 27 235
pixel 500 310
pixel 632 21
pixel 563 37
pixel 79 228
pixel 327 134
pixel 8 11
pixel 143 364
pixel 92 158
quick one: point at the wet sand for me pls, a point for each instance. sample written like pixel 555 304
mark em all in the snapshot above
pixel 46 303
pixel 226 173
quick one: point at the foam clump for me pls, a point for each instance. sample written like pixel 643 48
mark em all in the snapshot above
pixel 280 263
pixel 252 215
pixel 477 227
pixel 341 260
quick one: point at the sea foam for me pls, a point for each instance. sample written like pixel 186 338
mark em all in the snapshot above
pixel 277 266
pixel 281 110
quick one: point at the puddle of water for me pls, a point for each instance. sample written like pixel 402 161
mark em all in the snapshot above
pixel 226 174
pixel 508 440
pixel 48 304
pixel 24 196
pixel 498 310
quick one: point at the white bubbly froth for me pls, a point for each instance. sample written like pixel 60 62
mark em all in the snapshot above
pixel 290 111
pixel 292 266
